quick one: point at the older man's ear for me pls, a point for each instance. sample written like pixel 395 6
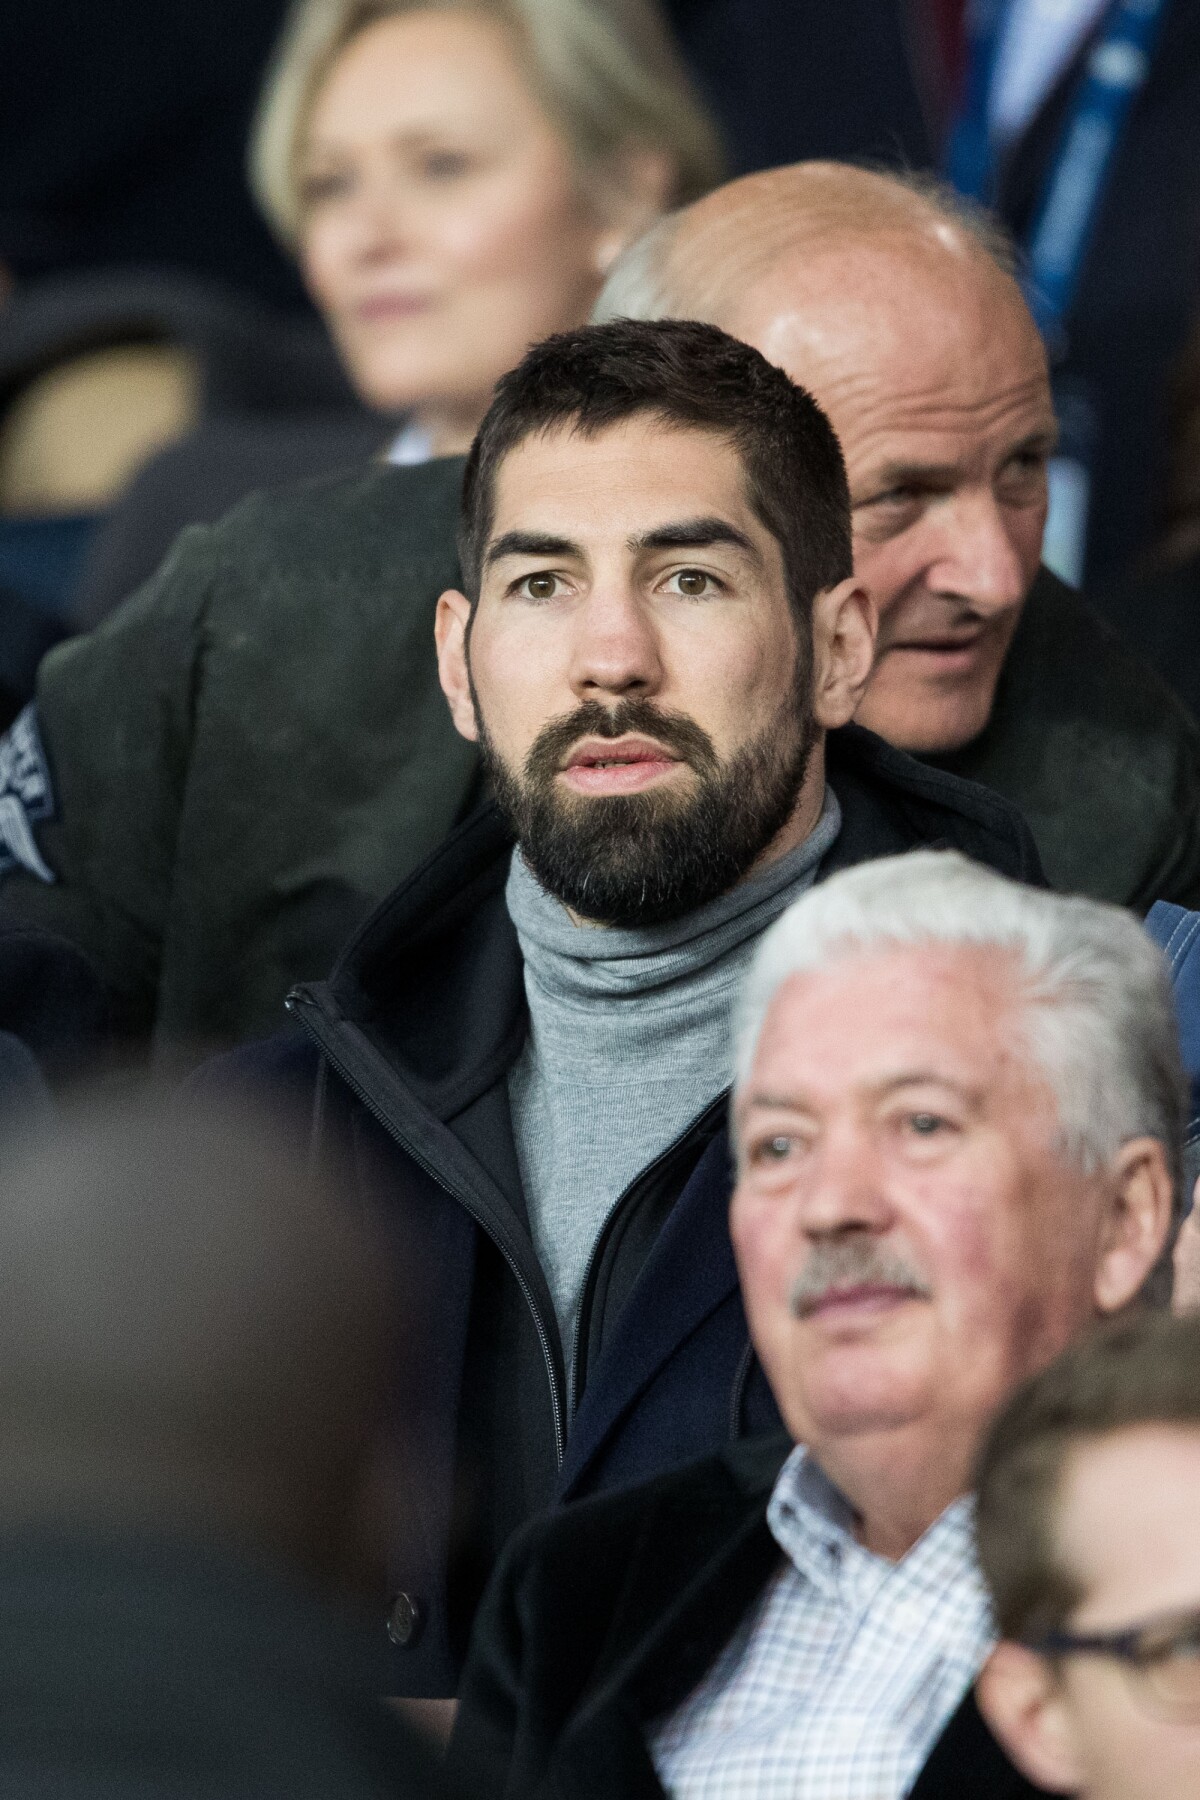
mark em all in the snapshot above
pixel 845 622
pixel 1019 1695
pixel 1138 1223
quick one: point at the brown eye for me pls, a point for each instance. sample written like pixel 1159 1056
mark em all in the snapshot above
pixel 692 581
pixel 540 587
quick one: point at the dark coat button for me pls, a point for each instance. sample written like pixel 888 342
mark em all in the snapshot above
pixel 404 1621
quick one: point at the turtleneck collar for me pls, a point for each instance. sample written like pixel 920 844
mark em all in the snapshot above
pixel 582 963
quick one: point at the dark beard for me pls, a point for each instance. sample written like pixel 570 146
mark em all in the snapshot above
pixel 644 859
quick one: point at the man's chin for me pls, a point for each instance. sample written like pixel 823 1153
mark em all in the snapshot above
pixel 927 719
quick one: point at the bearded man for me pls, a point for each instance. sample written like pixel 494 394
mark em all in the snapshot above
pixel 659 646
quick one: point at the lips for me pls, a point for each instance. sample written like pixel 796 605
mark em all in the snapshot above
pixel 859 1299
pixel 623 766
pixel 392 306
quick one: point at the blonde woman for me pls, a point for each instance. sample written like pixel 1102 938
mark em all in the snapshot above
pixel 456 177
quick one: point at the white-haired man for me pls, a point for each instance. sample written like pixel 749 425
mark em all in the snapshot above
pixel 925 1214
pixel 896 307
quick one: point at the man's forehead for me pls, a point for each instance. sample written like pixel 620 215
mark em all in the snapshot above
pixel 884 346
pixel 621 482
pixel 944 1010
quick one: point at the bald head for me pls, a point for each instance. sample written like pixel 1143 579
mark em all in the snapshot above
pixel 193 1332
pixel 896 307
pixel 699 261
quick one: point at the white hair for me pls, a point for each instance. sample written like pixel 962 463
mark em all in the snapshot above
pixel 1094 989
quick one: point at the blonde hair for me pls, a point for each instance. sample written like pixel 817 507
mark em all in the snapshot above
pixel 606 71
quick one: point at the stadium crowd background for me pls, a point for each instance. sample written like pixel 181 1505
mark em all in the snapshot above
pixel 229 1397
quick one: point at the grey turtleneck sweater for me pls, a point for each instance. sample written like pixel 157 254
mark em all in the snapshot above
pixel 629 1041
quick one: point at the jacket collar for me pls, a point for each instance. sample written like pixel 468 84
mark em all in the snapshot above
pixel 704 1555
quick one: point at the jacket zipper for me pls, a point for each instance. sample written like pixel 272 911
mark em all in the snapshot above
pixel 298 1003
pixel 585 1295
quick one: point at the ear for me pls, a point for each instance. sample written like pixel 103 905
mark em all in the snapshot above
pixel 1026 1710
pixel 450 635
pixel 845 621
pixel 636 189
pixel 1138 1223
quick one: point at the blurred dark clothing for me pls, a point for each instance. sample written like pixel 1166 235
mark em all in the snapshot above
pixel 1140 283
pixel 52 1002
pixel 123 133
pixel 790 79
pixel 24 1096
pixel 604 1617
pixel 1101 758
pixel 138 1666
pixel 27 632
pixel 406 1056
pixel 252 752
pixel 1158 611
pixel 200 479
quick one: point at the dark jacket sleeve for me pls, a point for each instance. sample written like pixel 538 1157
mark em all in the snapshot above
pixel 483 1752
pixel 113 714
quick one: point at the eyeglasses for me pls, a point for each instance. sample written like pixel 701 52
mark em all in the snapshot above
pixel 1161 1657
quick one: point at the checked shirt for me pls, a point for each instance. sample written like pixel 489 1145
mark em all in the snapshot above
pixel 845 1673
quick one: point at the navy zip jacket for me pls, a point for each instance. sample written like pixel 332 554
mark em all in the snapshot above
pixel 403 1060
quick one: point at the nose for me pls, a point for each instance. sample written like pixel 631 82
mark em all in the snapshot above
pixel 845 1193
pixel 616 651
pixel 377 226
pixel 977 558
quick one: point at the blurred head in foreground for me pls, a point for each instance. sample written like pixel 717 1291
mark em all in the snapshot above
pixel 456 176
pixel 958 1116
pixel 1090 1539
pixel 194 1337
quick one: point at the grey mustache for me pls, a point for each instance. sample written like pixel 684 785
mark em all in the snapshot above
pixel 854 1262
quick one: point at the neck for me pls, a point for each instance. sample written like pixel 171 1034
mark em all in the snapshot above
pixel 898 1482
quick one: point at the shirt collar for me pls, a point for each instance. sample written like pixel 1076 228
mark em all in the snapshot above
pixel 813 1524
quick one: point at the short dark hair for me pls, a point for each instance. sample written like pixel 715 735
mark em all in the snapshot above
pixel 689 375
pixel 1144 1369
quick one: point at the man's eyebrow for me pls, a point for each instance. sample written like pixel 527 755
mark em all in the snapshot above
pixel 887 1084
pixel 918 474
pixel 695 534
pixel 529 543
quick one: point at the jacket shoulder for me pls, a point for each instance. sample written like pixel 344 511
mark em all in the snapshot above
pixel 374 514
pixel 892 803
pixel 704 1498
pixel 1099 754
pixel 1073 657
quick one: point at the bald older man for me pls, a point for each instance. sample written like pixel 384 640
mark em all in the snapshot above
pixel 214 788
pixel 897 308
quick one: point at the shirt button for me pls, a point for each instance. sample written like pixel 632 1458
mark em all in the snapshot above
pixel 404 1621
